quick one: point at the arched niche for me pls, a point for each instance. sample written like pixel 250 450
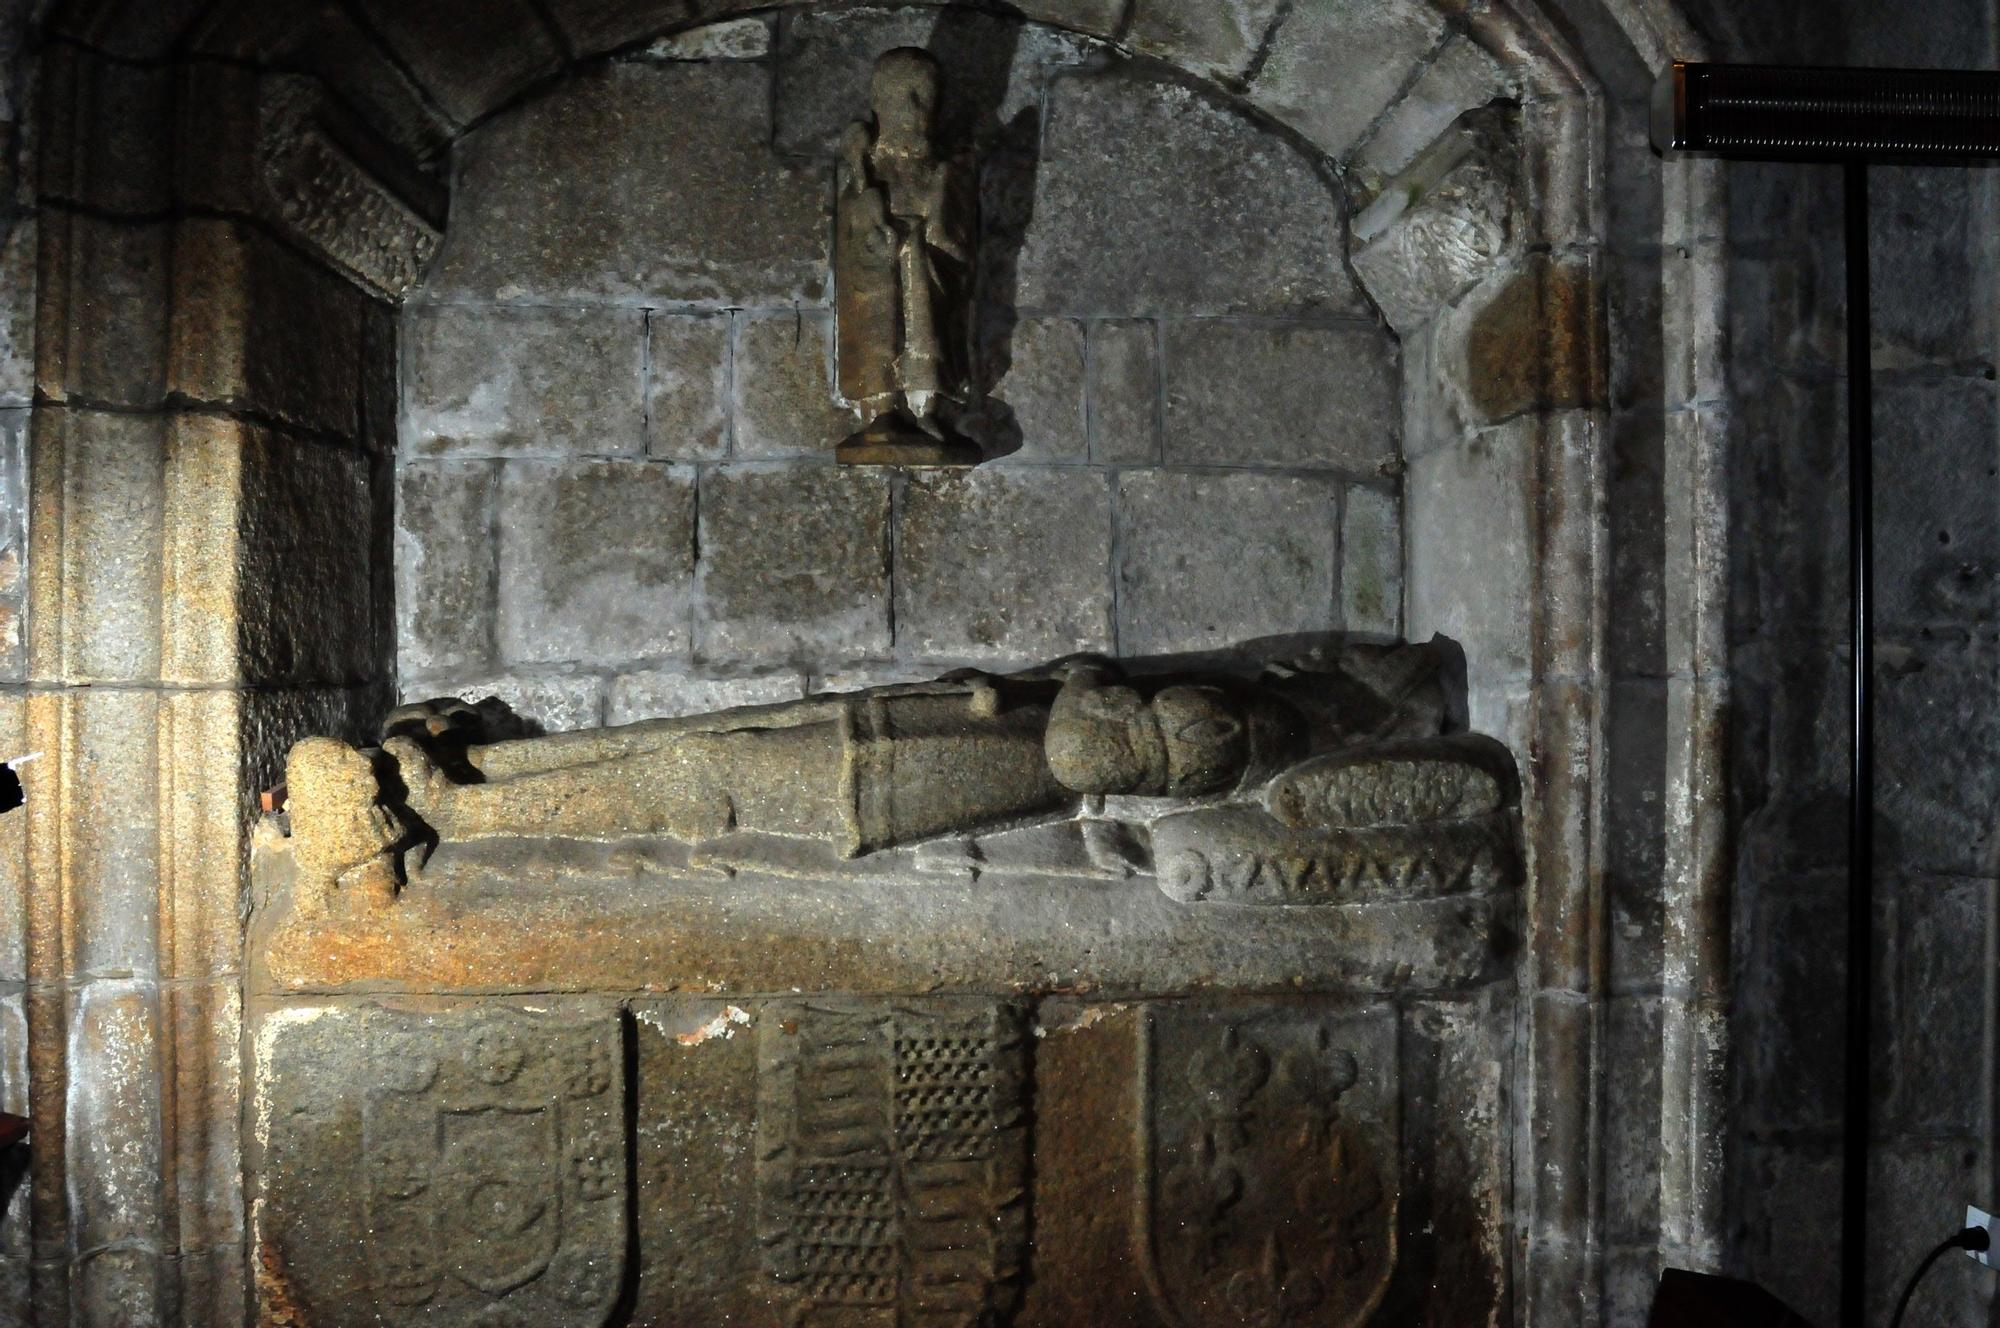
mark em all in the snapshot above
pixel 233 199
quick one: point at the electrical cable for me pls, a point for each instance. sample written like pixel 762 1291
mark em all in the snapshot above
pixel 1972 1238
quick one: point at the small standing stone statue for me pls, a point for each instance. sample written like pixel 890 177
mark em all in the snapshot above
pixel 902 275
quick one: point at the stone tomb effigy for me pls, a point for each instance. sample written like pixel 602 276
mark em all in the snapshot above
pixel 1056 998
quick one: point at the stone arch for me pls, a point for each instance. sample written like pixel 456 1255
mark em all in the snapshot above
pixel 232 191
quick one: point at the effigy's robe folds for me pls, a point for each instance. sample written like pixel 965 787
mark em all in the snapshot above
pixel 1066 998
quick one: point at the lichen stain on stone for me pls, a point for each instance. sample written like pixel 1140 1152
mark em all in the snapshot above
pixel 1090 1017
pixel 275 1306
pixel 1531 346
pixel 275 1024
pixel 724 1025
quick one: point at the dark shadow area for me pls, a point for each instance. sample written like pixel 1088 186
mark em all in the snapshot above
pixel 14 1160
pixel 977 50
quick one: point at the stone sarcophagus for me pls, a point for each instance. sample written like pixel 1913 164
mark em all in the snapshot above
pixel 1062 998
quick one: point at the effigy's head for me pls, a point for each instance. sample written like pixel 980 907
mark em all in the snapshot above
pixel 1183 742
pixel 905 95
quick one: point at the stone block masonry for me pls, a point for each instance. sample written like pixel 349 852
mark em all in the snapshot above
pixel 616 491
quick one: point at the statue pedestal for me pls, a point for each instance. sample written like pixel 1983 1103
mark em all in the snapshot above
pixel 897 440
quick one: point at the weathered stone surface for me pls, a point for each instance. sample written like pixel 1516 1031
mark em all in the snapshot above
pixel 1633 1113
pixel 298 595
pixel 114 475
pixel 1443 223
pixel 1100 18
pixel 14 861
pixel 258 327
pixel 13 542
pixel 1466 510
pixel 1004 566
pixel 1936 787
pixel 1238 856
pixel 1784 1183
pixel 1920 222
pixel 1124 388
pixel 205 1023
pixel 113 1113
pixel 1374 43
pixel 553 702
pixel 121 1284
pixel 1460 78
pixel 731 39
pixel 785 403
pixel 659 694
pixel 482 1147
pixel 1208 561
pixel 1522 340
pixel 1414 782
pixel 374 217
pixel 1043 387
pixel 861 677
pixel 18 254
pixel 595 561
pixel 1371 562
pixel 1935 962
pixel 494 381
pixel 687 386
pixel 142 34
pixel 1248 393
pixel 446 570
pixel 996 70
pixel 724 1144
pixel 112 346
pixel 599 191
pixel 1216 39
pixel 600 25
pixel 1635 847
pixel 1795 1062
pixel 695 1137
pixel 1939 558
pixel 470 57
pixel 1924 1176
pixel 928 1087
pixel 1286 1067
pixel 381 379
pixel 794 564
pixel 333 47
pixel 1150 198
pixel 105 159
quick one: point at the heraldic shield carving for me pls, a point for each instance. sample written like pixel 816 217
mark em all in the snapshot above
pixel 493 1155
pixel 892 1160
pixel 1271 1164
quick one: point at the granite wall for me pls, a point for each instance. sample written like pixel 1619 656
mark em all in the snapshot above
pixel 616 494
pixel 18 234
pixel 1937 455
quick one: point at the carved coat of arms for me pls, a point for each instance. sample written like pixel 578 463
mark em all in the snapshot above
pixel 493 1152
pixel 892 1160
pixel 1271 1159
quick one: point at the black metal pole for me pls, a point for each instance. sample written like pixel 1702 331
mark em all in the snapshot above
pixel 1861 773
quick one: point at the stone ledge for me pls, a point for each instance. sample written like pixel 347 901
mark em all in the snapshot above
pixel 609 917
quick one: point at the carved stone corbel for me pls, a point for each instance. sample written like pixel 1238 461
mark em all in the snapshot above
pixel 312 180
